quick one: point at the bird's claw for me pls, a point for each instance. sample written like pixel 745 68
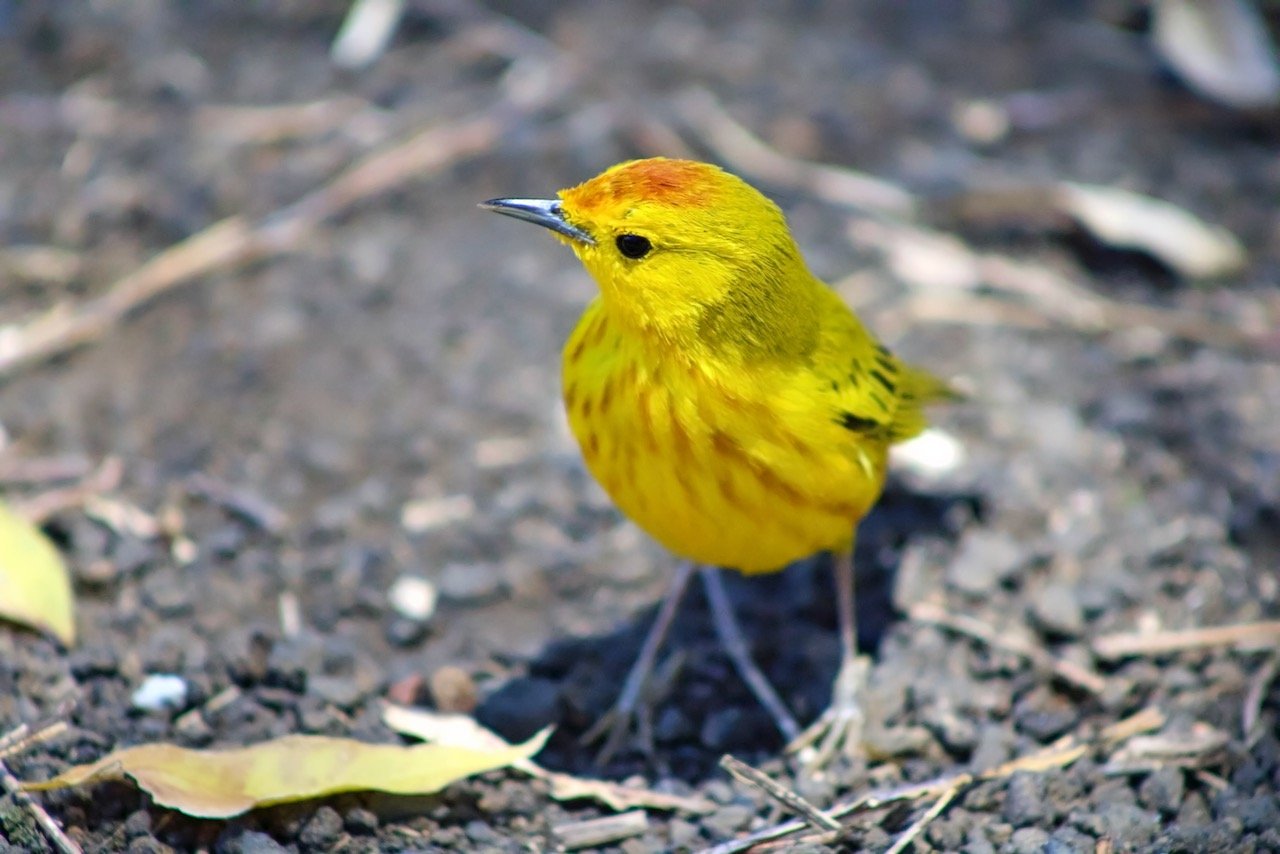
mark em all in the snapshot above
pixel 839 729
pixel 615 729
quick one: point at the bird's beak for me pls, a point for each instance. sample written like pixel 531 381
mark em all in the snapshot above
pixel 544 212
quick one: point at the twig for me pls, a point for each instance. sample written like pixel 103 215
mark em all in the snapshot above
pixel 19 739
pixel 1253 698
pixel 1069 672
pixel 235 242
pixel 1059 755
pixel 595 832
pixel 250 506
pixel 747 153
pixel 917 827
pixel 789 799
pixel 37 471
pixel 1242 637
pixel 104 478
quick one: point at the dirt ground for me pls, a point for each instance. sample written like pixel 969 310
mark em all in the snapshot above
pixel 382 401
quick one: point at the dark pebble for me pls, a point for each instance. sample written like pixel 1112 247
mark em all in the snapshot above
pixel 239 841
pixel 322 830
pixel 1024 800
pixel 360 821
pixel 168 594
pixel 1256 813
pixel 1163 790
pixel 672 725
pixel 721 729
pixel 93 661
pixel 1028 840
pixel 521 707
pixel 402 632
pixel 1044 714
pixel 148 845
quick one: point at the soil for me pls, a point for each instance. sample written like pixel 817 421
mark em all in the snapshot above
pixel 384 403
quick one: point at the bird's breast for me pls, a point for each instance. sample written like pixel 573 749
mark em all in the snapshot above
pixel 722 467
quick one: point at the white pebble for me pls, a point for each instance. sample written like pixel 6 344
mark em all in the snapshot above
pixel 160 691
pixel 413 597
pixel 933 454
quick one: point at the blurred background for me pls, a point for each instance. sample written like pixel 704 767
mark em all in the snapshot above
pixel 248 305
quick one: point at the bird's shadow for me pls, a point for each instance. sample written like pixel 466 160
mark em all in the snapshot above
pixel 704 711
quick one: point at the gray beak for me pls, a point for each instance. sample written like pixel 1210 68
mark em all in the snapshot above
pixel 544 212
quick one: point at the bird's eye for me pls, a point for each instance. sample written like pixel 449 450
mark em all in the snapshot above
pixel 633 245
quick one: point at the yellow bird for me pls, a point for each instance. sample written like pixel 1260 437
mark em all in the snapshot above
pixel 728 401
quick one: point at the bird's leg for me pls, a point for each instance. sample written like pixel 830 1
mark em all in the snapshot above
pixel 839 729
pixel 629 710
pixel 735 644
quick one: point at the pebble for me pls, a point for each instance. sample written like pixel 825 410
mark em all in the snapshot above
pixel 470 583
pixel 1044 715
pixel 983 560
pixel 167 594
pixel 1057 611
pixel 1068 840
pixel 1163 790
pixel 1024 800
pixel 238 841
pixel 728 820
pixel 148 845
pixel 683 835
pixel 413 597
pixel 453 690
pixel 1028 840
pixel 521 708
pixel 160 691
pixel 405 633
pixel 361 821
pixel 994 745
pixel 1130 826
pixel 322 830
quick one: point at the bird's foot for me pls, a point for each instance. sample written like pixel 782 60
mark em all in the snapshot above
pixel 629 723
pixel 839 730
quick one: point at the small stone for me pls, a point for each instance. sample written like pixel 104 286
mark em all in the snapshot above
pixel 413 598
pixel 983 560
pixel 137 824
pixel 521 708
pixel 166 593
pixel 721 728
pixel 1163 790
pixel 470 583
pixel 1044 714
pixel 1028 840
pixel 1129 826
pixel 1057 611
pixel 995 746
pixel 148 845
pixel 1024 800
pixel 1068 840
pixel 453 690
pixel 404 633
pixel 482 833
pixel 240 841
pixel 160 691
pixel 361 822
pixel 728 820
pixel 683 835
pixel 322 830
pixel 672 726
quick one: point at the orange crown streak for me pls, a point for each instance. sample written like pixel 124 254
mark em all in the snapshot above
pixel 679 183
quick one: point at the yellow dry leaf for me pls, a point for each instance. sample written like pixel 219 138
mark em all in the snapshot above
pixel 224 783
pixel 34 586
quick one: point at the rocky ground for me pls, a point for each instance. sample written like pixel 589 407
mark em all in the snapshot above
pixel 381 401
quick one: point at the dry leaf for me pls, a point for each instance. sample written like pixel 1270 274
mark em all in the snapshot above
pixel 1175 237
pixel 462 731
pixel 35 588
pixel 1220 48
pixel 224 783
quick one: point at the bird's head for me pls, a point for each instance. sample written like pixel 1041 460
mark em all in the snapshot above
pixel 678 248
